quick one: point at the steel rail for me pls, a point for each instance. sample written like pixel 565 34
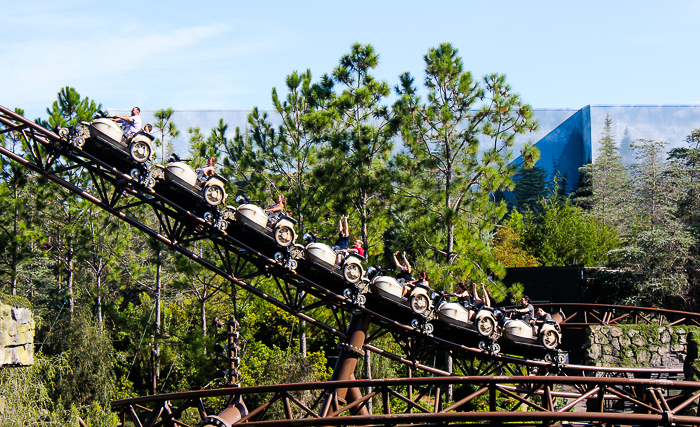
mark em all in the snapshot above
pixel 644 395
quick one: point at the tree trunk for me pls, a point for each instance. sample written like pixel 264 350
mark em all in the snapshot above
pixel 302 337
pixel 368 375
pixel 69 278
pixel 158 291
pixel 203 307
pixel 448 361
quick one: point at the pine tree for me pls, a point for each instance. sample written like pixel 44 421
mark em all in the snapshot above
pixel 448 173
pixel 608 183
pixel 530 186
pixel 165 125
pixel 69 109
pixel 358 139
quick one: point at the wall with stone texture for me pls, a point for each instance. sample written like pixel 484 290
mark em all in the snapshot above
pixel 16 336
pixel 637 345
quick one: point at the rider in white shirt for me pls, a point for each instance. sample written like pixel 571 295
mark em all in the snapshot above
pixel 134 121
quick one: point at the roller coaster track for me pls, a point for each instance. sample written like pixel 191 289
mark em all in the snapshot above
pixel 246 262
pixel 409 401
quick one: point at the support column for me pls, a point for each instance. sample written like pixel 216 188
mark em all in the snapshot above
pixel 347 361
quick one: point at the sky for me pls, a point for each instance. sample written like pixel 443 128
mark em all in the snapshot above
pixel 228 55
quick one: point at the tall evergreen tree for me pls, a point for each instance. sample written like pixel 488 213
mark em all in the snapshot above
pixel 530 186
pixel 454 177
pixel 69 109
pixel 16 230
pixel 166 127
pixel 626 147
pixel 608 183
pixel 359 141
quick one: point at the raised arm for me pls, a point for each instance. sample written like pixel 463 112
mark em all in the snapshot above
pixel 409 269
pixel 487 299
pixel 396 261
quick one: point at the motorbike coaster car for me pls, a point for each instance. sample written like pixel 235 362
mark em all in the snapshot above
pixel 104 139
pixel 281 229
pixel 417 299
pixel 177 180
pixel 519 331
pixel 322 256
pixel 484 321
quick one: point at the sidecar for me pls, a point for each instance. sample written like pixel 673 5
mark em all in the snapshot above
pixel 483 322
pixel 178 182
pixel 323 256
pixel 417 297
pixel 518 331
pixel 105 140
pixel 253 217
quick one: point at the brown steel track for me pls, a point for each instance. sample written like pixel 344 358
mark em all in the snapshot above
pixel 245 266
pixel 518 400
pixel 579 316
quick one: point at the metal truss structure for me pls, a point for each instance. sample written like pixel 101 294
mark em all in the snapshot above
pixel 518 400
pixel 245 264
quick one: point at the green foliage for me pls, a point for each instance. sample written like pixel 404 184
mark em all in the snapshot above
pixel 70 109
pixel 561 235
pixel 166 127
pixel 530 187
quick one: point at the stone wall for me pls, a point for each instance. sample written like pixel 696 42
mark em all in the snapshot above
pixel 637 345
pixel 16 335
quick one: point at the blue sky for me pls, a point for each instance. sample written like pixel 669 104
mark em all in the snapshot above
pixel 216 55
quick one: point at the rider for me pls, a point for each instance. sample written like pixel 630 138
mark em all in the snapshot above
pixel 526 312
pixel 355 249
pixel 343 233
pixel 205 172
pixel 404 268
pixel 421 280
pixel 276 210
pixel 542 316
pixel 484 301
pixel 463 296
pixel 134 122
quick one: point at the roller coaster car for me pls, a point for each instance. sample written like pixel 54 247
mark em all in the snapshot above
pixel 322 256
pixel 484 322
pixel 417 297
pixel 519 331
pixel 280 228
pixel 104 139
pixel 180 183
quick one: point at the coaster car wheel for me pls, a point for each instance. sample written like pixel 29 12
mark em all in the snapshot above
pixel 352 272
pixel 140 151
pixel 420 303
pixel 209 217
pixel 485 326
pixel 415 324
pixel 284 235
pixel 214 195
pixel 550 339
pixel 78 142
pixel 221 224
pixel 63 133
pixel 149 182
